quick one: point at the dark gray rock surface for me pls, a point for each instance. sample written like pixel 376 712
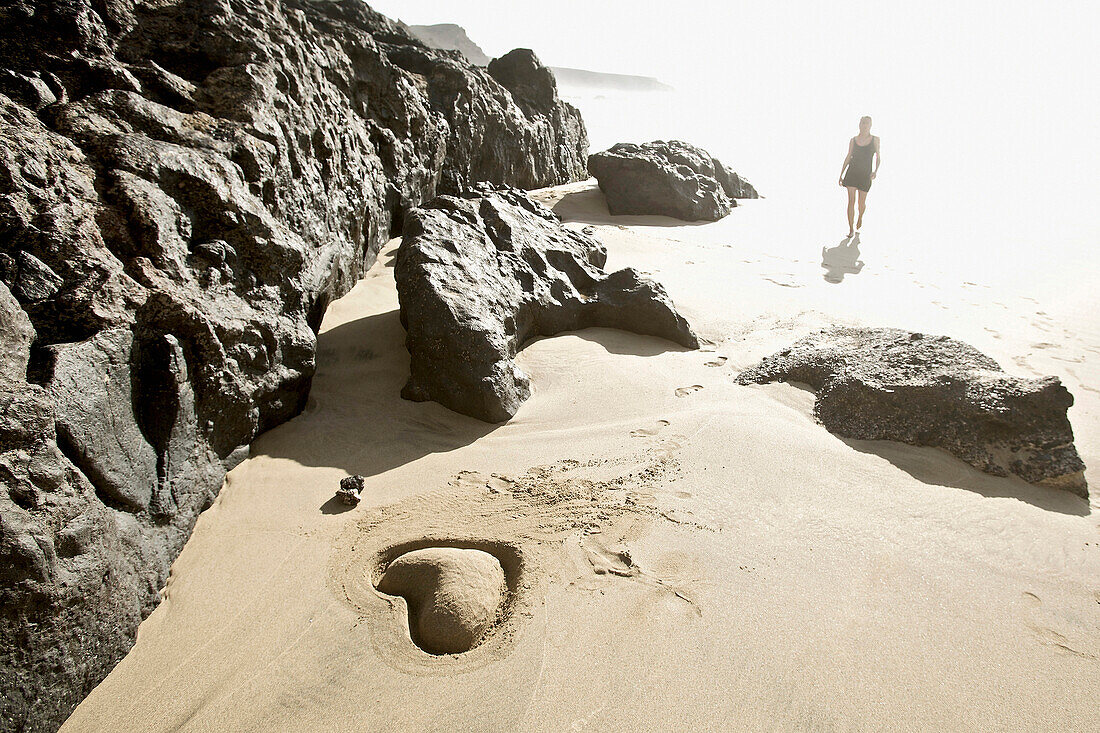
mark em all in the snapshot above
pixel 185 185
pixel 669 178
pixel 481 274
pixel 350 489
pixel 16 336
pixel 891 384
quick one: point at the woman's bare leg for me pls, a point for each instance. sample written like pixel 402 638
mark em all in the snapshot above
pixel 851 208
pixel 862 207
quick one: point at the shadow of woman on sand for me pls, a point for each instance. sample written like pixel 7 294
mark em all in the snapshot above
pixel 841 260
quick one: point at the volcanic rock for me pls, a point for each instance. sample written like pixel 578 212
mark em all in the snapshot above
pixel 350 489
pixel 532 84
pixel 16 336
pixel 481 274
pixel 669 178
pixel 891 384
pixel 184 187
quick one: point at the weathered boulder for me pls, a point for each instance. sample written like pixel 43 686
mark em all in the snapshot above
pixel 184 187
pixel 481 274
pixel 669 178
pixel 532 84
pixel 891 384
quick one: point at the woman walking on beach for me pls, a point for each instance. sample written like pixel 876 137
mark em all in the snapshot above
pixel 856 173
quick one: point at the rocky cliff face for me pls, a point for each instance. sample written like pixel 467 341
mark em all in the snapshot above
pixel 184 187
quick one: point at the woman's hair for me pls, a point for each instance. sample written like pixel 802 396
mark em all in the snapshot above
pixel 864 117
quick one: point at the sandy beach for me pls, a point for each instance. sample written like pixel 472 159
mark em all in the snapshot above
pixel 682 552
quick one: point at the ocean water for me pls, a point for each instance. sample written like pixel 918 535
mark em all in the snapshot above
pixel 989 196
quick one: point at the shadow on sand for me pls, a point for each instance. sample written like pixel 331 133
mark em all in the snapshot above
pixel 939 468
pixel 841 260
pixel 356 420
pixel 624 342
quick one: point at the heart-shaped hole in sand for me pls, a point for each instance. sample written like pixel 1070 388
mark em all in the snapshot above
pixel 456 595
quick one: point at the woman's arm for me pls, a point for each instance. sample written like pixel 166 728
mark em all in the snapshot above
pixel 847 160
pixel 878 157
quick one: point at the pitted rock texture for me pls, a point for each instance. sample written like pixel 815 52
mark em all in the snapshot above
pixel 481 274
pixel 454 596
pixel 184 187
pixel 891 384
pixel 668 178
pixel 350 489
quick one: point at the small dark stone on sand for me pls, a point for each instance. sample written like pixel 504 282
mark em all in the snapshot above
pixel 350 489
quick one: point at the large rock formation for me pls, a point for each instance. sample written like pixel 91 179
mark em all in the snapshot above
pixel 184 187
pixel 481 274
pixel 890 384
pixel 670 178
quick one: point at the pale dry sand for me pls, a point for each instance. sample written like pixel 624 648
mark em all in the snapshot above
pixel 681 552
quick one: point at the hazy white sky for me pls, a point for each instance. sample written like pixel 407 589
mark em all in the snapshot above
pixel 961 57
pixel 995 99
pixel 668 39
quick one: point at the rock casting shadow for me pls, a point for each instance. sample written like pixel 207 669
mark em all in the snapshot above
pixel 356 420
pixel 842 259
pixel 937 467
pixel 335 506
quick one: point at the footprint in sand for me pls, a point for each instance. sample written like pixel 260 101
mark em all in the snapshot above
pixel 785 280
pixel 716 362
pixel 495 483
pixel 1082 384
pixel 649 432
pixel 685 391
pixel 1022 362
pixel 1048 635
pixel 613 560
pixel 454 595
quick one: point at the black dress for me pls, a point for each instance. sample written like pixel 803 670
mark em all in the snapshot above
pixel 859 167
